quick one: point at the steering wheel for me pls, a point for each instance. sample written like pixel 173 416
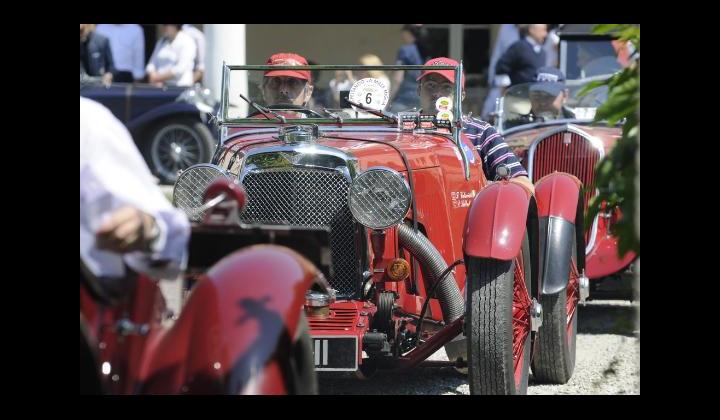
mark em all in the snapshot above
pixel 521 119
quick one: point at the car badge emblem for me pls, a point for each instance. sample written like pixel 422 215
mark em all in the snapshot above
pixel 567 138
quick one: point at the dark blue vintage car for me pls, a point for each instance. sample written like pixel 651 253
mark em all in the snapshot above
pixel 170 125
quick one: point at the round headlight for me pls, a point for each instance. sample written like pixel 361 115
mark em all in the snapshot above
pixel 379 198
pixel 190 186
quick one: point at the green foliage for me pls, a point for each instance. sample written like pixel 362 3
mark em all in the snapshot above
pixel 615 174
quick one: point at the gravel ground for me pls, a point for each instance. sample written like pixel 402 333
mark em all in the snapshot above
pixel 607 362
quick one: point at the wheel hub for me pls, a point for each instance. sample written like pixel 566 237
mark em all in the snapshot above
pixel 584 284
pixel 536 317
pixel 175 152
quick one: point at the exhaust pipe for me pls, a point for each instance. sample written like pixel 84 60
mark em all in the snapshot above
pixel 433 264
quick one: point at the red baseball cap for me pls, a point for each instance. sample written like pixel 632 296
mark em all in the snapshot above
pixel 288 59
pixel 448 74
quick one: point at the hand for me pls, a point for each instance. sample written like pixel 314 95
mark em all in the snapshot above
pixel 107 79
pixel 127 229
pixel 153 78
pixel 525 182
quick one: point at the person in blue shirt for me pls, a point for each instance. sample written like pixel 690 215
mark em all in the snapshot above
pixel 404 86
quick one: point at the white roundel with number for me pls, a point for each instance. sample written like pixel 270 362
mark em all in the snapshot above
pixel 370 92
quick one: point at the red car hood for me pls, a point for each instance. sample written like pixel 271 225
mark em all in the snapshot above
pixel 521 140
pixel 422 150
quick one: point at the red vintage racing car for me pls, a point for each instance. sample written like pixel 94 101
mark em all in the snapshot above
pixel 425 251
pixel 573 144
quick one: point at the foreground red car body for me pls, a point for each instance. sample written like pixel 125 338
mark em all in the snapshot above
pixel 241 329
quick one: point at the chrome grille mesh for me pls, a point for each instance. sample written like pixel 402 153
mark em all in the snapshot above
pixel 309 198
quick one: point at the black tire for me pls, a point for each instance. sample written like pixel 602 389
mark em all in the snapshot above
pixel 554 360
pixel 193 141
pixel 90 383
pixel 366 370
pixel 382 321
pixel 301 361
pixel 489 326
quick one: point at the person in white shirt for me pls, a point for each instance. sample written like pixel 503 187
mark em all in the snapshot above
pixel 173 58
pixel 343 80
pixel 551 46
pixel 127 42
pixel 124 217
pixel 199 38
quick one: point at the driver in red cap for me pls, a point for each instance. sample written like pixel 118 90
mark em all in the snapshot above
pixel 287 87
pixel 490 145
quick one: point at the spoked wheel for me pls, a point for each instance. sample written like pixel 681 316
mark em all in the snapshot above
pixel 176 146
pixel 499 324
pixel 555 359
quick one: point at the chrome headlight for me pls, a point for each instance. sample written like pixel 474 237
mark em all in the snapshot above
pixel 379 198
pixel 190 187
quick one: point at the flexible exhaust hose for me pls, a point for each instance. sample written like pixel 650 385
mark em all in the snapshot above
pixel 433 264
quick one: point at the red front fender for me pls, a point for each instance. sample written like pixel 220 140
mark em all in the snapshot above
pixel 557 195
pixel 559 202
pixel 495 224
pixel 234 333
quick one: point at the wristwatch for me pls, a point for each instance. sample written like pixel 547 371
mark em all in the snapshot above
pixel 154 234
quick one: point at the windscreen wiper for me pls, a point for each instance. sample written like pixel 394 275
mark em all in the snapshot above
pixel 263 110
pixel 384 114
pixel 338 117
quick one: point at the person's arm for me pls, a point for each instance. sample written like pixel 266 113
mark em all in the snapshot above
pixel 395 84
pixel 127 229
pixel 151 68
pixel 198 76
pixel 138 67
pixel 506 63
pixel 524 181
pixel 506 38
pixel 185 63
pixel 160 76
pixel 494 151
pixel 152 234
pixel 186 59
pixel 398 75
pixel 200 67
pixel 109 63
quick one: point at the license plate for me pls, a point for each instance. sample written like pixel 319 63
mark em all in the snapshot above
pixel 335 353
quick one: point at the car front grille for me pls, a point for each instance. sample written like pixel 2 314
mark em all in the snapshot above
pixel 309 198
pixel 569 152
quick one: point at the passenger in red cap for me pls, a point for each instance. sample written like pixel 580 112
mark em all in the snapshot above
pixel 287 87
pixel 490 145
pixel 435 84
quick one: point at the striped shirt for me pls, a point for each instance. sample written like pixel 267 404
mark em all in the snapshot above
pixel 492 149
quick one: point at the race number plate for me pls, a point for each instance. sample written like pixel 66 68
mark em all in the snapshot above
pixel 371 93
pixel 334 352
